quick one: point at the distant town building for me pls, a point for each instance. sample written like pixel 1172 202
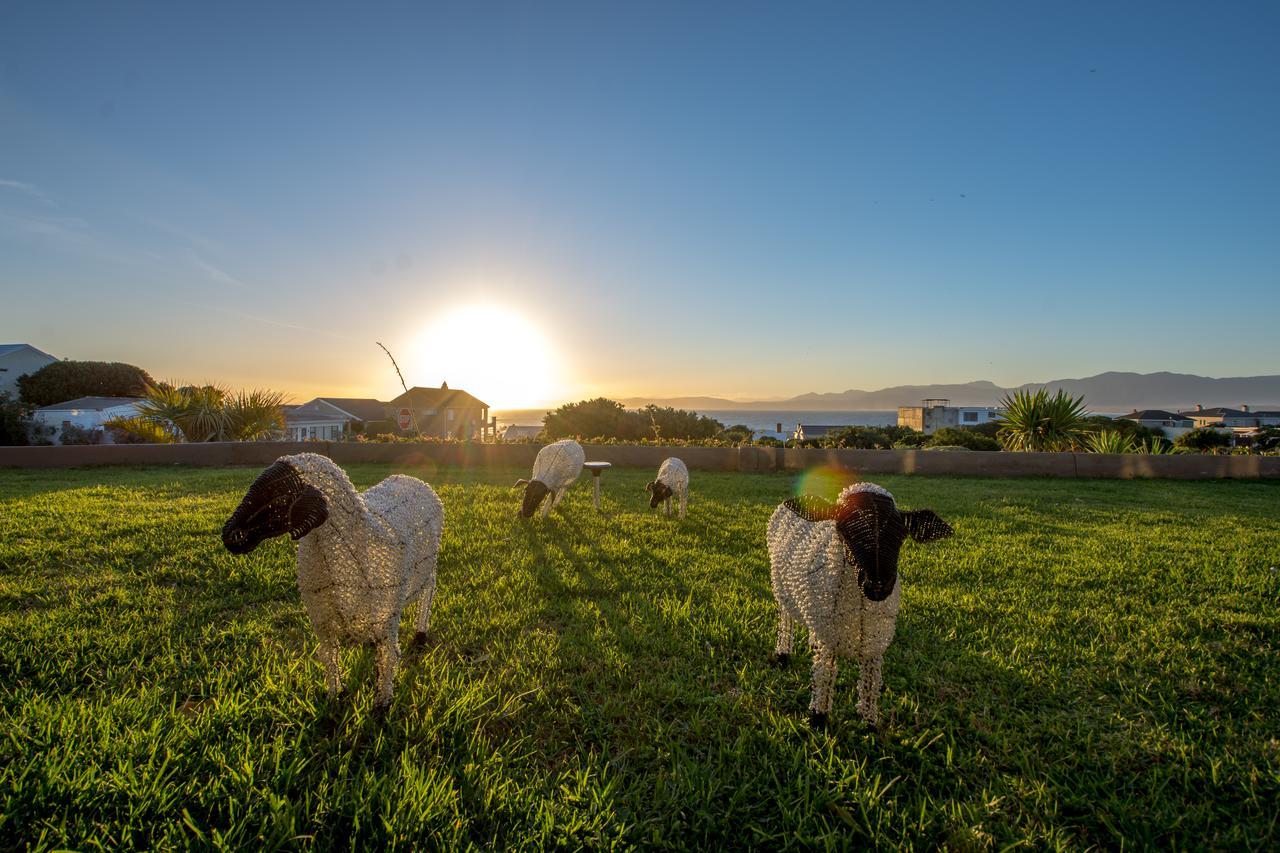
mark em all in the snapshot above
pixel 440 412
pixel 934 414
pixel 444 412
pixel 1171 424
pixel 812 431
pixel 518 432
pixel 86 413
pixel 336 418
pixel 1222 417
pixel 18 360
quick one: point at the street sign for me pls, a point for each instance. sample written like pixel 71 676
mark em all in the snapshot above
pixel 406 418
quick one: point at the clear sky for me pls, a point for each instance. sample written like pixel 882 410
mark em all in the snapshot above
pixel 746 200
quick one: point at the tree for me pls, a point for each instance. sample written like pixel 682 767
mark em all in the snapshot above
pixel 738 434
pixel 1038 422
pixel 13 422
pixel 1203 439
pixel 67 380
pixel 666 422
pixel 604 418
pixel 204 413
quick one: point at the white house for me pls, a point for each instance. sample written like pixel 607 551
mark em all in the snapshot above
pixel 1171 424
pixel 17 360
pixel 332 418
pixel 87 413
pixel 932 415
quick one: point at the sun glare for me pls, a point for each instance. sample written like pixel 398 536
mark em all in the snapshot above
pixel 490 352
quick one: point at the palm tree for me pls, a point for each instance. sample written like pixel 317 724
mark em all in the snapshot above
pixel 1035 422
pixel 204 413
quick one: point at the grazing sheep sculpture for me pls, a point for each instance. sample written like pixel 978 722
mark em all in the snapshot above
pixel 361 557
pixel 555 469
pixel 672 481
pixel 835 570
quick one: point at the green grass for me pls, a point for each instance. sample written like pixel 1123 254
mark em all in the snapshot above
pixel 1083 664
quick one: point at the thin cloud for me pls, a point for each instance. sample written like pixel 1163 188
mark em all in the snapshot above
pixel 216 273
pixel 31 190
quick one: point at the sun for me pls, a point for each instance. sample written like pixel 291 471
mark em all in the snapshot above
pixel 489 351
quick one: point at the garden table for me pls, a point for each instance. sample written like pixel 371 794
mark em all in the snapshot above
pixel 596 468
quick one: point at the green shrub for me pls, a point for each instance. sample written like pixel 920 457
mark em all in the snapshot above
pixel 607 418
pixel 966 438
pixel 1203 439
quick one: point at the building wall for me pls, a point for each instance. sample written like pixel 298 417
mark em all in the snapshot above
pixel 83 418
pixel 19 363
pixel 743 459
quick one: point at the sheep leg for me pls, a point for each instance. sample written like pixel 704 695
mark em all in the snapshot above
pixel 786 636
pixel 328 655
pixel 824 685
pixel 869 683
pixel 550 503
pixel 684 499
pixel 666 507
pixel 423 620
pixel 388 658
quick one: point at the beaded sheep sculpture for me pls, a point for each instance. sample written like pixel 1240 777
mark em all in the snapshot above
pixel 835 570
pixel 362 557
pixel 555 469
pixel 672 481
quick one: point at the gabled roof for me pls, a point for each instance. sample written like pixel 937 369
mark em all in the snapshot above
pixel 5 349
pixel 360 408
pixel 437 398
pixel 1217 412
pixel 1153 415
pixel 92 404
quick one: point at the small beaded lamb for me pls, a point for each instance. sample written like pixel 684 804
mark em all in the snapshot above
pixel 672 482
pixel 835 570
pixel 556 468
pixel 362 557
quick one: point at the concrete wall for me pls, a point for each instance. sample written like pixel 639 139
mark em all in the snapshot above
pixel 747 459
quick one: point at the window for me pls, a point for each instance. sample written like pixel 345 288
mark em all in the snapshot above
pixel 450 417
pixel 971 417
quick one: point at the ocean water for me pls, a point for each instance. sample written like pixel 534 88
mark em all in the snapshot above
pixel 761 421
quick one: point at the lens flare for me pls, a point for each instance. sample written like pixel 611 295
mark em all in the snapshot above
pixel 825 481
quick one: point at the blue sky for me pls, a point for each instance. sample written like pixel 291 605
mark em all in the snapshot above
pixel 746 200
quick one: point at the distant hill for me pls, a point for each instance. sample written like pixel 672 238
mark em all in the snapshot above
pixel 1107 392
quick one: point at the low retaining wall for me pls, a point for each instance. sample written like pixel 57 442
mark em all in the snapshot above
pixel 751 459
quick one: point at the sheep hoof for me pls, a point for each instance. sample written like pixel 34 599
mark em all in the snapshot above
pixel 817 721
pixel 419 641
pixel 781 660
pixel 380 711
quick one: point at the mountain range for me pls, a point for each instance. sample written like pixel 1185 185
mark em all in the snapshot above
pixel 1107 392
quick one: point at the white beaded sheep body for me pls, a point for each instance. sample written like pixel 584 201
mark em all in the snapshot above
pixel 362 557
pixel 835 571
pixel 672 481
pixel 556 468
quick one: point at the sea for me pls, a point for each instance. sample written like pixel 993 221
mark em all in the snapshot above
pixel 763 421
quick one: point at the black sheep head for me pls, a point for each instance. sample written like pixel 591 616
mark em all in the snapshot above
pixel 534 492
pixel 278 502
pixel 658 492
pixel 873 530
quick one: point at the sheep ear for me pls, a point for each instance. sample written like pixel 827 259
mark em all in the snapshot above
pixel 648 487
pixel 521 482
pixel 307 512
pixel 925 525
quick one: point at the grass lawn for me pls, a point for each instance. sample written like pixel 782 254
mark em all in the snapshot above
pixel 1083 664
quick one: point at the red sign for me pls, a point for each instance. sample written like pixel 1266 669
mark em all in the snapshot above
pixel 406 418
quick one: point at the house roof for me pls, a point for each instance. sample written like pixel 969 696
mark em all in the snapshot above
pixel 5 349
pixel 93 404
pixel 1153 415
pixel 361 408
pixel 1217 412
pixel 438 398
